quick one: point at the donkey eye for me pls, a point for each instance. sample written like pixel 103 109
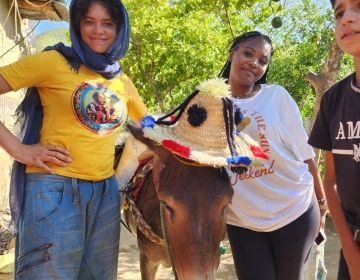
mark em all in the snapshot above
pixel 196 115
pixel 167 208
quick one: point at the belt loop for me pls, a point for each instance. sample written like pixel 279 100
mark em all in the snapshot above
pixel 75 190
pixel 107 186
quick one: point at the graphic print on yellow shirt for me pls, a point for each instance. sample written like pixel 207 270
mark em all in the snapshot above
pixel 98 108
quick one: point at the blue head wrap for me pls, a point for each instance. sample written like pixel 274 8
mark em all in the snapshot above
pixel 107 63
pixel 30 112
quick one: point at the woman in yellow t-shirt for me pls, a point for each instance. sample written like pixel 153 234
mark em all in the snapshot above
pixel 64 196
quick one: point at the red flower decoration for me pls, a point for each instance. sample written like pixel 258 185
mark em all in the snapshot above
pixel 176 148
pixel 258 152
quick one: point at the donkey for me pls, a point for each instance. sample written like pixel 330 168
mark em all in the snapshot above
pixel 195 200
pixel 185 198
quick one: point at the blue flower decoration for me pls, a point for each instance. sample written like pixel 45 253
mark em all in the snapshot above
pixel 238 160
pixel 238 116
pixel 148 121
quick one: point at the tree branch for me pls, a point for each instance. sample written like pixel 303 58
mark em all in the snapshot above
pixel 228 17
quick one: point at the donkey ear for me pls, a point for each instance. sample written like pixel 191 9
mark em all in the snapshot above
pixel 161 154
pixel 155 147
pixel 137 132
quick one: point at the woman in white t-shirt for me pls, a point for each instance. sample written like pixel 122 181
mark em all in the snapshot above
pixel 274 216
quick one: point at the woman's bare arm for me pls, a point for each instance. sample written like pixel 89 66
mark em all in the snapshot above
pixel 34 155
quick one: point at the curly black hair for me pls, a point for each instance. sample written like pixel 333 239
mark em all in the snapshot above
pixel 225 71
pixel 80 9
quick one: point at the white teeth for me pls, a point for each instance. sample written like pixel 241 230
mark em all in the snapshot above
pixel 348 34
pixel 351 33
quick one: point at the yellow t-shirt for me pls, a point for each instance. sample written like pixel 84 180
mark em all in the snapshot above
pixel 82 111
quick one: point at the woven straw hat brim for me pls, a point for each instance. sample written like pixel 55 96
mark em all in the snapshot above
pixel 200 131
pixel 201 153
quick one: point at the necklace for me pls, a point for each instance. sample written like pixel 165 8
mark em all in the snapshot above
pixel 354 88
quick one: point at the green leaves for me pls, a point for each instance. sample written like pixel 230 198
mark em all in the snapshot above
pixel 176 44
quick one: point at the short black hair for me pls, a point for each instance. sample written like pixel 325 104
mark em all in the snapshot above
pixel 332 3
pixel 225 71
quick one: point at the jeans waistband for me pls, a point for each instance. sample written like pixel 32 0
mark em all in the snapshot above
pixel 34 177
pixel 73 183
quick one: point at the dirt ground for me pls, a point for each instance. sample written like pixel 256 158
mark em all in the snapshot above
pixel 332 248
pixel 129 261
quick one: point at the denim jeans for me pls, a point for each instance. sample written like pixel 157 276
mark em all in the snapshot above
pixel 68 229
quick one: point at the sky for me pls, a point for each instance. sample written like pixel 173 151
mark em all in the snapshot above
pixel 45 25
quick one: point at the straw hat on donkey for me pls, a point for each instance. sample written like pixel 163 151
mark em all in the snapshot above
pixel 203 129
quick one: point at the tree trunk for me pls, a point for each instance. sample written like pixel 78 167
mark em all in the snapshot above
pixel 324 80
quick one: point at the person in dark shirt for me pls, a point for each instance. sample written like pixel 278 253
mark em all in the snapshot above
pixel 337 132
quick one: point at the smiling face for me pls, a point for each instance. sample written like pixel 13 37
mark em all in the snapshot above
pixel 97 28
pixel 347 25
pixel 249 61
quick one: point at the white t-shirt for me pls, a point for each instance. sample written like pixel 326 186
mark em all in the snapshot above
pixel 271 196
